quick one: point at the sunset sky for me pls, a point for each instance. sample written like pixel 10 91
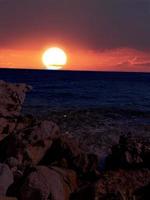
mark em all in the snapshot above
pixel 100 35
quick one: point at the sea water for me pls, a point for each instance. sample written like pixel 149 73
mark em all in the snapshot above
pixel 75 89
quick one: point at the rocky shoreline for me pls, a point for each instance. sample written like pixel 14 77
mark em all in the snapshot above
pixel 60 157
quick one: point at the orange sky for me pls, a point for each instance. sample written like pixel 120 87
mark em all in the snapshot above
pixel 96 34
pixel 79 59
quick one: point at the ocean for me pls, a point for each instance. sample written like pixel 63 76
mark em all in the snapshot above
pixel 74 89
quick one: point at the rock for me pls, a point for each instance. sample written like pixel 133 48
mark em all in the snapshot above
pixel 3 148
pixel 11 99
pixel 6 178
pixel 63 147
pixel 54 183
pixel 7 126
pixel 131 152
pixel 65 152
pixel 12 162
pixel 142 193
pixel 121 184
pixel 7 198
pixel 30 144
pixel 86 192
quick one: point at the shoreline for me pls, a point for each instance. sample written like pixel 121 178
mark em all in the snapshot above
pixel 75 153
pixel 98 129
pixel 128 112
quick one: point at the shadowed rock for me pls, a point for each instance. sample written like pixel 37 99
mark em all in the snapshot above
pixel 7 198
pixel 143 193
pixel 65 152
pixel 11 99
pixel 30 144
pixel 54 183
pixel 131 152
pixel 6 178
pixel 121 183
pixel 85 192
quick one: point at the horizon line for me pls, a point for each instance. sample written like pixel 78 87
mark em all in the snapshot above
pixel 69 70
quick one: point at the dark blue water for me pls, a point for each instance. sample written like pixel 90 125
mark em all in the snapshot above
pixel 68 89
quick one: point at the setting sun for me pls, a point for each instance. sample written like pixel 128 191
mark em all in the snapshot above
pixel 54 58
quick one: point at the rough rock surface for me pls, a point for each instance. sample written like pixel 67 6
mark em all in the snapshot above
pixel 30 144
pixel 65 152
pixel 54 183
pixel 121 184
pixel 6 178
pixel 11 99
pixel 130 152
pixel 39 162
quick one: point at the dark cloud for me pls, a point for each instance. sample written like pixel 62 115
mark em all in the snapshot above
pixel 95 24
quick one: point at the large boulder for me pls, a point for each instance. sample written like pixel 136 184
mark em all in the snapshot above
pixel 30 144
pixel 54 183
pixel 11 99
pixel 6 178
pixel 66 152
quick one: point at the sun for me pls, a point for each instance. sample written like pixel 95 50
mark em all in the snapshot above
pixel 54 58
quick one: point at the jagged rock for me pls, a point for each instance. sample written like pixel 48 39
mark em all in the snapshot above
pixel 54 183
pixel 30 144
pixel 65 152
pixel 130 152
pixel 63 147
pixel 121 184
pixel 6 178
pixel 7 126
pixel 12 162
pixel 11 99
pixel 25 122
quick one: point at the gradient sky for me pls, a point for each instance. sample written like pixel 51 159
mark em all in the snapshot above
pixel 96 34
